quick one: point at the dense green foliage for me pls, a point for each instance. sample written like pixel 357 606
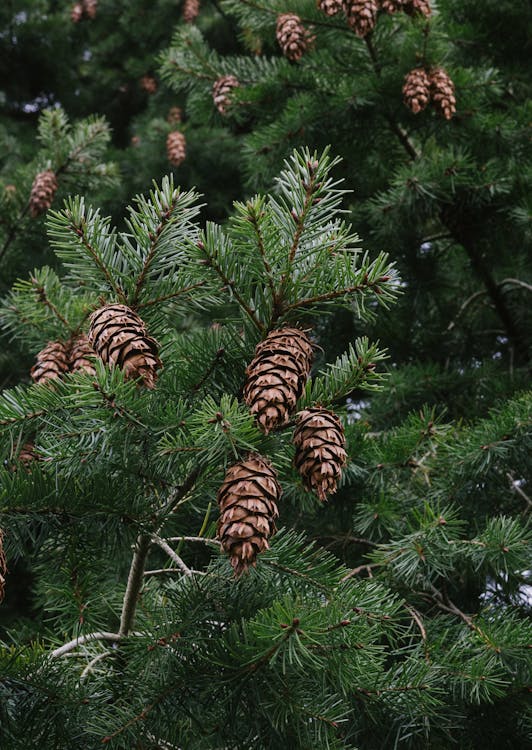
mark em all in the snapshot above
pixel 395 615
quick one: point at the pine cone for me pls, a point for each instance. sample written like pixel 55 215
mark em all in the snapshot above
pixel 191 9
pixel 392 6
pixel 120 338
pixel 176 148
pixel 361 15
pixel 293 38
pixel 174 116
pixel 148 84
pixel 3 566
pixel 276 376
pixel 52 362
pixel 416 90
pixel 80 351
pixel 248 500
pixel 421 7
pixel 90 7
pixel 442 91
pixel 330 7
pixel 221 92
pixel 42 192
pixel 320 450
pixel 76 13
pixel 28 454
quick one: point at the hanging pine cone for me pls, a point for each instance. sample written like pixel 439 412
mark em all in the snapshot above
pixel 330 7
pixel 81 355
pixel 51 362
pixel 221 92
pixel 416 90
pixel 191 9
pixel 420 7
pixel 248 500
pixel 276 376
pixel 293 38
pixel 3 566
pixel 120 338
pixel 174 116
pixel 361 15
pixel 392 6
pixel 176 148
pixel 42 192
pixel 148 84
pixel 90 7
pixel 442 91
pixel 28 454
pixel 76 13
pixel 320 450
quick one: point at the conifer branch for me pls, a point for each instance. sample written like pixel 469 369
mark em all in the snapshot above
pixel 134 583
pixel 43 297
pixel 183 567
pixel 87 638
pixel 171 295
pixel 79 231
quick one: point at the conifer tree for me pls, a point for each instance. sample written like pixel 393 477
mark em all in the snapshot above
pixel 409 630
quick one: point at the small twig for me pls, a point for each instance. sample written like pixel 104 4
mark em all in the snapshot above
pixel 416 616
pixel 464 306
pixel 172 555
pixel 516 488
pixel 134 583
pixel 43 297
pixel 516 282
pixel 166 297
pixel 203 539
pixel 88 669
pixel 355 571
pixel 81 639
pixel 447 605
pixel 207 374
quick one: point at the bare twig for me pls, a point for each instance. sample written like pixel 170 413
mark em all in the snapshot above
pixel 355 571
pixel 134 583
pixel 81 639
pixel 172 555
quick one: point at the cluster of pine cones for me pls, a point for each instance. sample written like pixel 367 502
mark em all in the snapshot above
pixel 249 494
pixel 83 9
pixel 422 87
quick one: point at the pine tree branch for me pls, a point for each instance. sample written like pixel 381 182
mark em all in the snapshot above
pixel 14 230
pixel 117 289
pixel 43 297
pixel 262 252
pixel 90 666
pixel 202 539
pixel 80 640
pixel 516 282
pixel 210 262
pixel 134 583
pixel 183 567
pixel 444 603
pixel 207 374
pixel 173 295
pixel 464 307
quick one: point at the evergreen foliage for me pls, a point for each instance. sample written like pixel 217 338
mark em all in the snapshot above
pixel 393 615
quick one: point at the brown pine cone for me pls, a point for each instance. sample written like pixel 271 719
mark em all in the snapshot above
pixel 361 15
pixel 176 148
pixel 248 500
pixel 276 376
pixel 221 92
pixel 392 6
pixel 120 338
pixel 191 9
pixel 442 91
pixel 3 566
pixel 90 7
pixel 148 84
pixel 416 90
pixel 76 13
pixel 174 116
pixel 51 362
pixel 28 454
pixel 79 355
pixel 320 450
pixel 292 37
pixel 330 7
pixel 42 192
pixel 421 7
